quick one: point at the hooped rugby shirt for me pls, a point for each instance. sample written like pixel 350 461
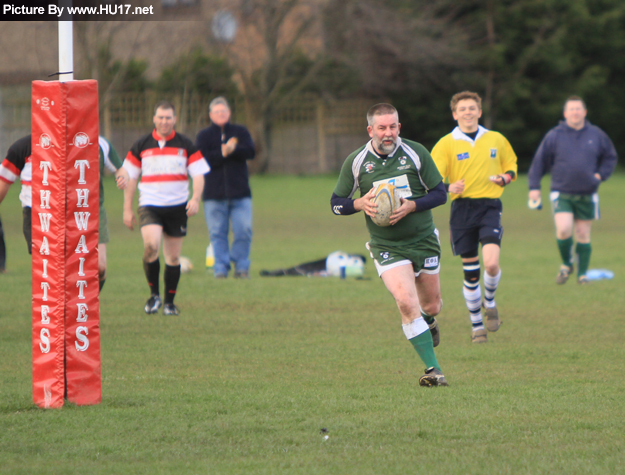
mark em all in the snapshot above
pixel 458 156
pixel 164 167
pixel 413 172
pixel 18 163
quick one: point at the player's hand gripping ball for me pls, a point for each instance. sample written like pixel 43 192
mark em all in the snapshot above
pixel 387 198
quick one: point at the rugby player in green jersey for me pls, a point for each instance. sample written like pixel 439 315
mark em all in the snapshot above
pixel 406 253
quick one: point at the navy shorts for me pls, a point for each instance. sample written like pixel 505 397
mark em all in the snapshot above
pixel 474 221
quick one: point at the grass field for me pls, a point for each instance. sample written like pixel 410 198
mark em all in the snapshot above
pixel 244 379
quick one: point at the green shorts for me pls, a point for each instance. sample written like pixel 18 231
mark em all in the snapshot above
pixel 584 207
pixel 103 228
pixel 425 256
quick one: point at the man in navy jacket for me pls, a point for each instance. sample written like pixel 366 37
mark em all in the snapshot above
pixel 227 196
pixel 579 156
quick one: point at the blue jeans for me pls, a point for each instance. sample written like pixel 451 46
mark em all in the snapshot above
pixel 219 214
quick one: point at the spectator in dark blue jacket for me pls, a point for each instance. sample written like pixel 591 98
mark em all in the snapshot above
pixel 579 156
pixel 227 195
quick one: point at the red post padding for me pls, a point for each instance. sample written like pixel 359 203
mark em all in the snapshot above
pixel 82 322
pixel 48 244
pixel 66 336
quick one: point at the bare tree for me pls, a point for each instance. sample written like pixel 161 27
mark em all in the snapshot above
pixel 390 48
pixel 95 40
pixel 270 33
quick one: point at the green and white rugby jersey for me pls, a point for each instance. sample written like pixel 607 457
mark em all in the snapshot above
pixel 411 169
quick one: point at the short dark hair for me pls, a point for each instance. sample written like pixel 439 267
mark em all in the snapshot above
pixel 464 95
pixel 380 109
pixel 164 105
pixel 574 98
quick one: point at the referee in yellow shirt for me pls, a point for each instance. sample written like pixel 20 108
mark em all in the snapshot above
pixel 477 163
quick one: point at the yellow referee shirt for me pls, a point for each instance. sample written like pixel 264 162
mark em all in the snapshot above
pixel 457 156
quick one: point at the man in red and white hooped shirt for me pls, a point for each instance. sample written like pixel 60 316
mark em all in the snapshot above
pixel 17 164
pixel 163 159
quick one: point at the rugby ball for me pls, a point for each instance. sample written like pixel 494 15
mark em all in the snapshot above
pixel 185 265
pixel 387 198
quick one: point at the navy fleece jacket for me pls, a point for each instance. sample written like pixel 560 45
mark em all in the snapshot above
pixel 228 178
pixel 573 157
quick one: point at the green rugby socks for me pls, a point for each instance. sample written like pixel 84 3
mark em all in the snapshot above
pixel 583 251
pixel 425 348
pixel 566 247
pixel 420 337
pixel 429 319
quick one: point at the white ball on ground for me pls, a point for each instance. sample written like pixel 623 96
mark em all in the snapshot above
pixel 335 261
pixel 353 265
pixel 185 265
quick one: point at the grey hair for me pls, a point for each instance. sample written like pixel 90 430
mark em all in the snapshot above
pixel 217 101
pixel 380 109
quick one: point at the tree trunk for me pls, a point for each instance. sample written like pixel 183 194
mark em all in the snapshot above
pixel 490 76
pixel 265 132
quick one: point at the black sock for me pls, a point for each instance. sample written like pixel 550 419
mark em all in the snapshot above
pixel 172 276
pixel 102 284
pixel 152 271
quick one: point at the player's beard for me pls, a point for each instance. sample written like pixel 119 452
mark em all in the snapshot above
pixel 382 147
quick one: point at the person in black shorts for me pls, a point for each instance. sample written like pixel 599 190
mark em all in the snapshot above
pixel 163 159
